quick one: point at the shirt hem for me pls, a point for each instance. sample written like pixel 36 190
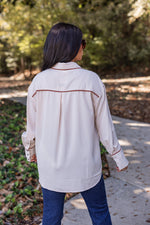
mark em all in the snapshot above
pixel 73 185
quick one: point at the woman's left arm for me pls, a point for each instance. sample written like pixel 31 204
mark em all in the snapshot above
pixel 106 130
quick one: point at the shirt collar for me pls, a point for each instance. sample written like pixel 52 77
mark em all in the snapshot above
pixel 66 66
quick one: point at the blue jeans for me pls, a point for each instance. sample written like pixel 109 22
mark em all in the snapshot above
pixel 95 199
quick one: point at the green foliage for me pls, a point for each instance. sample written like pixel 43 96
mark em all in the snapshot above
pixel 18 209
pixel 103 149
pixel 117 32
pixel 115 38
pixel 19 178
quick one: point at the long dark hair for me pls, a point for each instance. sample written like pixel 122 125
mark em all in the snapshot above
pixel 62 44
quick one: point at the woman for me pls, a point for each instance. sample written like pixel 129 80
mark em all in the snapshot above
pixel 67 116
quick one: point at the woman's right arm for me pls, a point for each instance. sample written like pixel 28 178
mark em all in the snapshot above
pixel 28 137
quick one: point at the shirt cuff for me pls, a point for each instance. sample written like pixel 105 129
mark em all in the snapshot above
pixel 120 160
pixel 29 146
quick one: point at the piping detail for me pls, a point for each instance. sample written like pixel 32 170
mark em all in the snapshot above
pixel 65 69
pixel 116 152
pixel 64 91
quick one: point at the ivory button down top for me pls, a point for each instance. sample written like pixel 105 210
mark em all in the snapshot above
pixel 68 114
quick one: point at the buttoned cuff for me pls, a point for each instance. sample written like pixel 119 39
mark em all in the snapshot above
pixel 29 146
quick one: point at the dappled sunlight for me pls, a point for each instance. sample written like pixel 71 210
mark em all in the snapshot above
pixel 13 93
pixel 124 143
pixel 130 151
pixel 138 9
pixel 130 79
pixel 136 124
pixel 116 122
pixel 134 137
pixel 138 191
pixel 128 203
pixel 147 189
pixel 134 161
pixel 130 154
pixel 78 203
pixel 128 97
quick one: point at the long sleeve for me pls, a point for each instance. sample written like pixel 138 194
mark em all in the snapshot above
pixel 106 129
pixel 28 137
pixel 31 114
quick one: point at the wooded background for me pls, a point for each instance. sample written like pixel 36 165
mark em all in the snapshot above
pixel 117 32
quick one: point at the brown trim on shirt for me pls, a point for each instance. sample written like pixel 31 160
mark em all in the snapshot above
pixel 116 152
pixel 65 69
pixel 64 91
